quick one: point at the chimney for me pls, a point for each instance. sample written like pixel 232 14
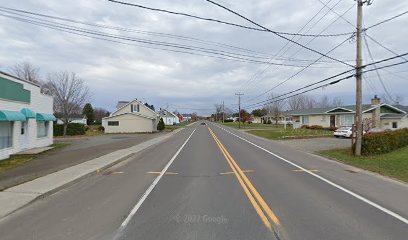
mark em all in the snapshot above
pixel 375 101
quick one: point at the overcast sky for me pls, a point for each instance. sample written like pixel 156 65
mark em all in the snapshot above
pixel 193 83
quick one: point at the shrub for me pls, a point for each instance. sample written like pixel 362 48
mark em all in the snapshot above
pixel 72 129
pixel 160 125
pixel 380 143
pixel 269 121
pixel 101 129
pixel 229 120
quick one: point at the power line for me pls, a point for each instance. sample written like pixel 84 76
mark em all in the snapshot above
pixel 259 72
pixel 377 72
pixel 225 55
pixel 387 20
pixel 276 33
pixel 310 65
pixel 336 80
pixel 381 45
pixel 220 21
pixel 297 73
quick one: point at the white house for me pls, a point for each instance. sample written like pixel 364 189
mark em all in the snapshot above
pixel 26 119
pixel 131 117
pixel 375 115
pixel 169 118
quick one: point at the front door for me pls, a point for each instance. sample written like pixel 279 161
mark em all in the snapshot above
pixel 332 120
pixel 24 135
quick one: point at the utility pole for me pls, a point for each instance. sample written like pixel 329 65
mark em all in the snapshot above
pixel 223 111
pixel 239 108
pixel 359 84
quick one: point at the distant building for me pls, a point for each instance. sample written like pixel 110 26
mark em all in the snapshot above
pixel 187 117
pixel 26 116
pixel 74 118
pixel 168 117
pixel 375 115
pixel 131 117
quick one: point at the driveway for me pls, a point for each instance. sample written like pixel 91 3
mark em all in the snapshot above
pixel 80 150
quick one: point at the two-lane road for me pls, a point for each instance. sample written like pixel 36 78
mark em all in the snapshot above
pixel 206 183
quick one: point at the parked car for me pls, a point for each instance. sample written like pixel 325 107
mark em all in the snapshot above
pixel 343 132
pixel 378 130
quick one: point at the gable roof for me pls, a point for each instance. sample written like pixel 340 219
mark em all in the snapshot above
pixel 164 112
pixel 392 116
pixel 131 102
pixel 130 113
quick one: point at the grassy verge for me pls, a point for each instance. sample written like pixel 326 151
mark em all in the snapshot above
pixel 253 125
pixel 283 134
pixel 171 128
pixel 393 164
pixel 17 160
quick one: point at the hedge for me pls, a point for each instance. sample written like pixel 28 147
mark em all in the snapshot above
pixel 228 120
pixel 379 143
pixel 72 129
pixel 318 127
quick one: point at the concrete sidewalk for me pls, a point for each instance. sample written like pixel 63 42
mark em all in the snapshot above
pixel 19 196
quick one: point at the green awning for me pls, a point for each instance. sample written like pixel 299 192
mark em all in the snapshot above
pixel 27 113
pixel 9 116
pixel 45 117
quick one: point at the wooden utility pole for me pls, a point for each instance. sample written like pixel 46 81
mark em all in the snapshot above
pixel 239 108
pixel 359 95
pixel 359 84
pixel 223 112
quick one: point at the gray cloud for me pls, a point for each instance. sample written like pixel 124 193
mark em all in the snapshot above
pixel 122 72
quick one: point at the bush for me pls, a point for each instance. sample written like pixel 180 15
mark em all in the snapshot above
pixel 160 125
pixel 229 120
pixel 269 121
pixel 101 129
pixel 380 143
pixel 72 129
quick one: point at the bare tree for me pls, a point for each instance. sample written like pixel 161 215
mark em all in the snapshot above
pixel 337 102
pixel 296 102
pixel 218 111
pixel 69 92
pixel 26 71
pixel 275 108
pixel 324 102
pixel 100 113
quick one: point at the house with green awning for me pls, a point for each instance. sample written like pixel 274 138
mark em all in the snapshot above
pixel 26 116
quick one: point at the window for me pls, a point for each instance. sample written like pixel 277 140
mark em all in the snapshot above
pixel 347 120
pixel 42 129
pixel 394 124
pixel 6 134
pixel 135 108
pixel 113 123
pixel 305 119
pixel 22 128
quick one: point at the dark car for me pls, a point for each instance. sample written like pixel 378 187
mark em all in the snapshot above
pixel 203 123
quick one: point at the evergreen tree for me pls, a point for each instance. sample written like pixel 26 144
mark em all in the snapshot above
pixel 160 126
pixel 89 113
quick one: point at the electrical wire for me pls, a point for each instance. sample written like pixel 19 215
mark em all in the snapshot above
pixel 386 20
pixel 220 21
pixel 276 33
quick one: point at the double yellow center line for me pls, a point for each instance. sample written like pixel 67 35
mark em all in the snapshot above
pixel 263 210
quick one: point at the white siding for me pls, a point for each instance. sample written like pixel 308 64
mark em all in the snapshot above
pixel 39 103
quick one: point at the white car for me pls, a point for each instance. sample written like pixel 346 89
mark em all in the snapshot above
pixel 343 132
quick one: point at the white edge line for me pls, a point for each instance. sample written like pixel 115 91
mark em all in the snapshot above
pixel 385 210
pixel 151 187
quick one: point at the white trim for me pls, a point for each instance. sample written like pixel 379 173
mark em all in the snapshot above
pixel 369 202
pixel 131 102
pixel 351 111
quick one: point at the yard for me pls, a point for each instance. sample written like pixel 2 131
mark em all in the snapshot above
pixel 283 134
pixel 393 164
pixel 253 125
pixel 174 127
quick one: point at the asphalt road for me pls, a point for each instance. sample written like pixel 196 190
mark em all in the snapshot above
pixel 207 183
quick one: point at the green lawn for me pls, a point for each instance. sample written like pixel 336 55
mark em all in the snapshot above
pixel 17 160
pixel 393 164
pixel 171 128
pixel 93 131
pixel 252 125
pixel 282 134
